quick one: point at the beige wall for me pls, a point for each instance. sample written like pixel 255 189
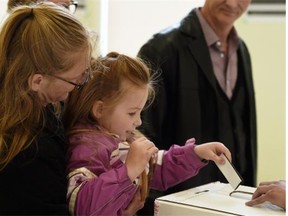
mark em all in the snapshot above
pixel 90 14
pixel 266 41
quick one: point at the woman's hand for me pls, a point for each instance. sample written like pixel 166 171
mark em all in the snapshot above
pixel 212 151
pixel 135 205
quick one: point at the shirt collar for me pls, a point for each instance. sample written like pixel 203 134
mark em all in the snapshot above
pixel 210 35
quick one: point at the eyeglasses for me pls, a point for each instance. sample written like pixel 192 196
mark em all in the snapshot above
pixel 84 79
pixel 71 6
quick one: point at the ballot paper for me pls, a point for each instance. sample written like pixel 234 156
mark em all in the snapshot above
pixel 230 173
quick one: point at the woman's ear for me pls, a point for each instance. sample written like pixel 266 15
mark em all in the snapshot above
pixel 35 81
pixel 98 109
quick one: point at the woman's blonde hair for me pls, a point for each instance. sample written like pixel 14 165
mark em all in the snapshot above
pixel 34 39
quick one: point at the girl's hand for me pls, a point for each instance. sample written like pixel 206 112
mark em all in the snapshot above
pixel 212 151
pixel 139 154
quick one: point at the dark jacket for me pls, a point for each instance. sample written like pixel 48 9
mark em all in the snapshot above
pixel 34 182
pixel 190 102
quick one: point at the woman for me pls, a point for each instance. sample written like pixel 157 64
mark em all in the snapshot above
pixel 44 55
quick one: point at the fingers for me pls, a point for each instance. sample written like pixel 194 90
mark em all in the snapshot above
pixel 212 151
pixel 258 196
pixel 267 183
pixel 280 182
pixel 135 205
pixel 139 154
pixel 152 150
pixel 227 153
pixel 218 159
pixel 147 145
pixel 257 201
pixel 190 141
pixel 260 191
pixel 137 201
pixel 222 149
pixel 274 193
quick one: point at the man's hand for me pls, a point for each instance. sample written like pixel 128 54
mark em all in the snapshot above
pixel 274 192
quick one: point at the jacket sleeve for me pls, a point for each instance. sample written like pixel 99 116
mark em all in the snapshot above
pixel 96 186
pixel 175 166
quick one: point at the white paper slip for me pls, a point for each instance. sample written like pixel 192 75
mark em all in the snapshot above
pixel 230 173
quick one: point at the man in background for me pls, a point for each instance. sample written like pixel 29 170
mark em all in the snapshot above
pixel 205 90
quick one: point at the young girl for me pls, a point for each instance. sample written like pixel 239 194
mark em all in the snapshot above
pixel 101 119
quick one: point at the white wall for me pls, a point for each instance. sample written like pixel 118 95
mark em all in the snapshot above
pixel 132 22
pixel 3 9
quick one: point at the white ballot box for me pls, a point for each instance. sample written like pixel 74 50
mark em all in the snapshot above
pixel 211 200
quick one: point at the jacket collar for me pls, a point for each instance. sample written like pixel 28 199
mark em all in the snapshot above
pixel 190 26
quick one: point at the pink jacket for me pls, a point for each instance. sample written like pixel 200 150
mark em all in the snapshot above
pixel 98 180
